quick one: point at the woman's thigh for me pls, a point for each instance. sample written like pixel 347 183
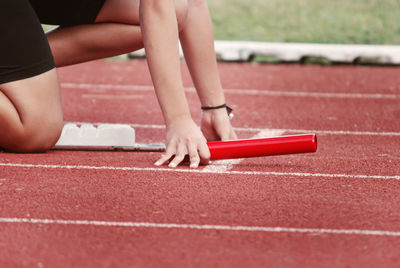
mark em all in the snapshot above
pixel 127 11
pixel 37 96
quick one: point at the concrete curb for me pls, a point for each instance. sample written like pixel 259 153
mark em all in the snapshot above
pixel 295 52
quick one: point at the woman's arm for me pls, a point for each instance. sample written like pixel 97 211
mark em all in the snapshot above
pixel 197 41
pixel 160 37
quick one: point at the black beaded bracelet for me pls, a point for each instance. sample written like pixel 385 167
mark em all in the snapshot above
pixel 228 109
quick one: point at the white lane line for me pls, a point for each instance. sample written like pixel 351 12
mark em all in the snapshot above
pixel 225 165
pixel 256 92
pixel 283 130
pixel 331 132
pixel 112 96
pixel 202 227
pixel 313 94
pixel 220 166
pixel 107 87
pixel 202 171
pixel 139 125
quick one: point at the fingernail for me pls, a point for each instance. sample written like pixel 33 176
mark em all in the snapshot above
pixel 193 166
pixel 172 165
pixel 158 163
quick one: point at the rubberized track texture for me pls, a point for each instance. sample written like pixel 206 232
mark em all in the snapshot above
pixel 338 207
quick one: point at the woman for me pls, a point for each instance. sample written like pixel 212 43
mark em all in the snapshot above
pixel 30 106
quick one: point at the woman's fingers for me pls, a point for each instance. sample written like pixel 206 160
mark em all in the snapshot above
pixel 169 152
pixel 197 151
pixel 227 133
pixel 184 138
pixel 224 129
pixel 204 153
pixel 194 157
pixel 179 156
pixel 175 153
pixel 224 133
pixel 216 125
pixel 233 135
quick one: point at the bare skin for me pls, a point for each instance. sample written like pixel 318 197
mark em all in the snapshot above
pixel 123 26
pixel 30 113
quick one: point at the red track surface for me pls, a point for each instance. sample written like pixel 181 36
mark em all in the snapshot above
pixel 339 207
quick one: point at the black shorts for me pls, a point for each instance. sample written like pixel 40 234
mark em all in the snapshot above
pixel 24 50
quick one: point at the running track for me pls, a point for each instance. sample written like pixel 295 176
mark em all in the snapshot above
pixel 339 207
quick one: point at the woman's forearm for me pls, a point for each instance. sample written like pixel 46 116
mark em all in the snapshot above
pixel 160 37
pixel 198 45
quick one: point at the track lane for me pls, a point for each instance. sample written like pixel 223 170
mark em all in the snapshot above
pixel 337 154
pixel 293 77
pixel 141 107
pixel 122 247
pixel 238 199
pixel 220 199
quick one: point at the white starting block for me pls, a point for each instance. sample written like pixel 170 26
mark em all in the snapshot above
pixel 102 137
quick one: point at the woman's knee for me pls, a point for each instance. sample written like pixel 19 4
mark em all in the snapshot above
pixel 43 137
pixel 34 121
pixel 37 136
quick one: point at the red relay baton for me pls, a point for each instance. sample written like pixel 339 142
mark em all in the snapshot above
pixel 294 144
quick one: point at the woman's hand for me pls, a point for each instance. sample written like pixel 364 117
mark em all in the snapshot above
pixel 216 125
pixel 184 137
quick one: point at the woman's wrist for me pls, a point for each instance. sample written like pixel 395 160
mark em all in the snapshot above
pixel 177 117
pixel 217 108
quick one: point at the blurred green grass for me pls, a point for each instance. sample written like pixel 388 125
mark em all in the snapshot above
pixel 307 21
pixel 311 21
